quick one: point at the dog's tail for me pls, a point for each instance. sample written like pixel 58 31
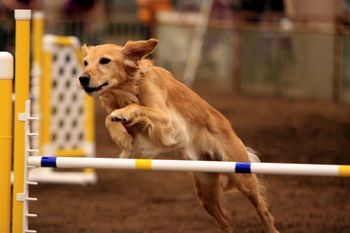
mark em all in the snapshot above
pixel 253 155
pixel 254 158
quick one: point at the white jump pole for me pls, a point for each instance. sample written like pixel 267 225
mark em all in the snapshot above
pixel 190 165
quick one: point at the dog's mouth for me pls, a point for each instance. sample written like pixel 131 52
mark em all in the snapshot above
pixel 90 90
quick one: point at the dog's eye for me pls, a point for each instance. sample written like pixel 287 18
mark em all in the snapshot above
pixel 85 63
pixel 105 60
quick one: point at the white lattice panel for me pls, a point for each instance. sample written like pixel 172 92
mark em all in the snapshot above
pixel 66 128
pixel 67 100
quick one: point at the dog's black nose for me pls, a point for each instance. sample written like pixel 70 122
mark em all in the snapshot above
pixel 84 80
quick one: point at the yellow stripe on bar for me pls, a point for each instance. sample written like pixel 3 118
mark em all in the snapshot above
pixel 143 164
pixel 89 170
pixel 344 170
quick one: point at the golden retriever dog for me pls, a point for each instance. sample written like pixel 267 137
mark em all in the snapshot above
pixel 151 113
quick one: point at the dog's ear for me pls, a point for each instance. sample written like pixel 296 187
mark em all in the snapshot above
pixel 85 50
pixel 136 50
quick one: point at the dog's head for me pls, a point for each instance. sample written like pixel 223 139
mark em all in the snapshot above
pixel 108 65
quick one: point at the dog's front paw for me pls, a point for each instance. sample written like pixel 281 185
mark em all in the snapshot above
pixel 120 116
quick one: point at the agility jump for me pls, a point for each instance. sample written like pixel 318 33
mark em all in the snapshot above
pixel 192 166
pixel 23 161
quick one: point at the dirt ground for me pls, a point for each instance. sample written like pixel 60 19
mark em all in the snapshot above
pixel 281 130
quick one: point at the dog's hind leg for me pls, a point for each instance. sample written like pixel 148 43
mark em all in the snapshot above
pixel 209 193
pixel 248 185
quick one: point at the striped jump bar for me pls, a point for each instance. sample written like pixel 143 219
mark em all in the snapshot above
pixel 190 165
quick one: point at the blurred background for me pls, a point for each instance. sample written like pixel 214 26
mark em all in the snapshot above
pixel 277 69
pixel 288 48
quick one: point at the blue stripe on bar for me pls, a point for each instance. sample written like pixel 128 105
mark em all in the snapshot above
pixel 48 161
pixel 243 168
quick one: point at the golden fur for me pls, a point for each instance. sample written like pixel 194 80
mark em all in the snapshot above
pixel 151 113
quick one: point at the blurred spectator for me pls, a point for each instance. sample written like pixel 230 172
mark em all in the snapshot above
pixel 262 5
pixel 86 19
pixel 147 10
pixel 222 9
pixel 7 30
pixel 188 5
pixel 257 8
pixel 347 6
pixel 18 4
